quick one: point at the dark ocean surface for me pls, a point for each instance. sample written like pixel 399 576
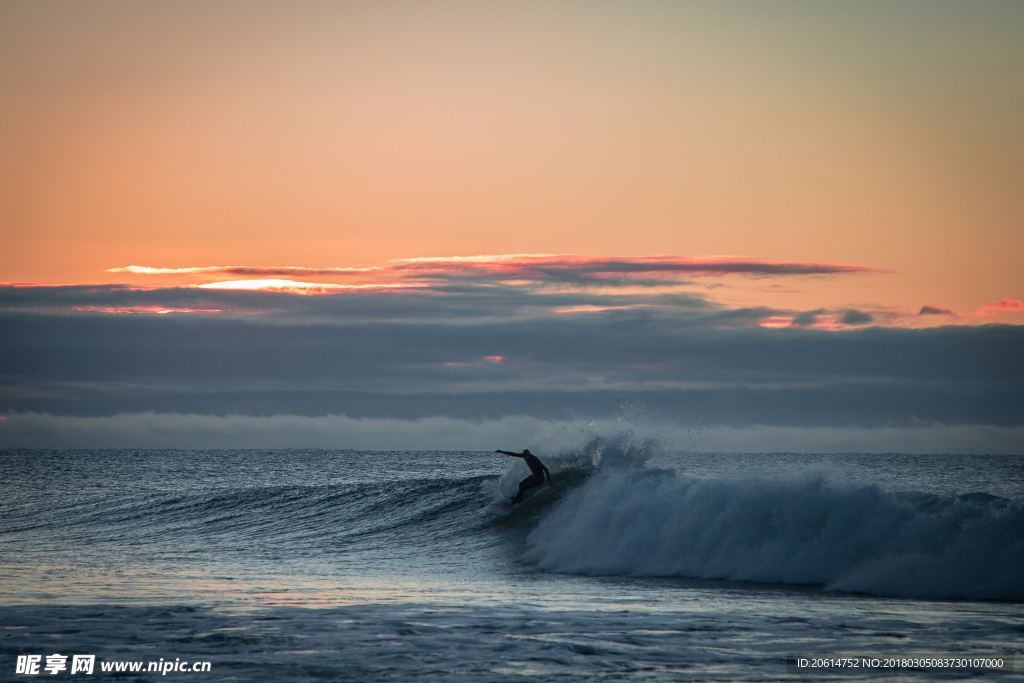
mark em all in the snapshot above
pixel 636 564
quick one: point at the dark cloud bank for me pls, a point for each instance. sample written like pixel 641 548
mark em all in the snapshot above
pixel 480 355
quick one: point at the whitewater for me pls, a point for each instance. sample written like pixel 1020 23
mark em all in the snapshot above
pixel 639 562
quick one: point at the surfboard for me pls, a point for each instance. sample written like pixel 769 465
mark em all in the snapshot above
pixel 504 508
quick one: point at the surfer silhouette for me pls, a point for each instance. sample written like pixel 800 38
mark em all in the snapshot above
pixel 538 472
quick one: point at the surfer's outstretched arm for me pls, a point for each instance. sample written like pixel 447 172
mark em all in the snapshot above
pixel 547 474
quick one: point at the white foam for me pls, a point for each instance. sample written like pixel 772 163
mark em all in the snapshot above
pixel 795 529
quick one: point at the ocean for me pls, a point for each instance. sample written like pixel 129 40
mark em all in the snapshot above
pixel 638 563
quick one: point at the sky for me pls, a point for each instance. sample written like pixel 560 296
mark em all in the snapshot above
pixel 781 225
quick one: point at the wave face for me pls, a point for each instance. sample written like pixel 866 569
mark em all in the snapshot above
pixel 803 530
pixel 339 523
pixel 612 512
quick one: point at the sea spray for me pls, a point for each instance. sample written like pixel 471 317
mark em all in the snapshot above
pixel 800 529
pixel 570 460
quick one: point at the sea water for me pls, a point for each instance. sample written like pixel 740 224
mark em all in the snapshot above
pixel 638 563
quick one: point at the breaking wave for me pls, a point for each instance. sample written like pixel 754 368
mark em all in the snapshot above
pixel 800 530
pixel 611 512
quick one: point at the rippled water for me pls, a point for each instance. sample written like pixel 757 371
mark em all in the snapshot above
pixel 383 565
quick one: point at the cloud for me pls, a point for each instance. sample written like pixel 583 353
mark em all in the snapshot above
pixel 475 388
pixel 776 322
pixel 266 271
pixel 549 338
pixel 494 286
pixel 351 301
pixel 538 272
pixel 808 317
pixel 488 258
pixel 699 343
pixel 935 310
pixel 580 269
pixel 855 317
pixel 699 366
pixel 157 430
pixel 144 310
pixel 553 267
pixel 590 308
pixel 823 319
pixel 1000 307
pixel 300 287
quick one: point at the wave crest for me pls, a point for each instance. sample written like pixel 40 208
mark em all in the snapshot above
pixel 645 522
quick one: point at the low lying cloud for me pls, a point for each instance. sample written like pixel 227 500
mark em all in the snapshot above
pixel 413 357
pixel 855 317
pixel 153 430
pixel 828 320
pixel 485 342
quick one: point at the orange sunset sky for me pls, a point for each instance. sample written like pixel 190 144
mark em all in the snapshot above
pixel 323 135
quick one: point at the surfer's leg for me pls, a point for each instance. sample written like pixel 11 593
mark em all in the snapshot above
pixel 528 483
pixel 522 489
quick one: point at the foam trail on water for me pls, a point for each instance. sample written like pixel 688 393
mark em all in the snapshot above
pixel 804 529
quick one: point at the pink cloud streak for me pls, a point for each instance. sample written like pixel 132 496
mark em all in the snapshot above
pixel 300 287
pixel 144 310
pixel 243 270
pixel 1002 306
